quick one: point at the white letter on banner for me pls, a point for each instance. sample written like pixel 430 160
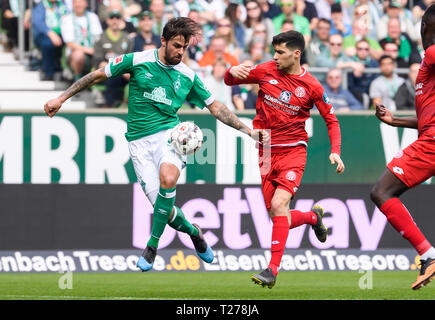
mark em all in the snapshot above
pixel 44 158
pixel 226 155
pixel 11 149
pixel 98 161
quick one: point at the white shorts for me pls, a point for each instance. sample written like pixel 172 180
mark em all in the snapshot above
pixel 148 153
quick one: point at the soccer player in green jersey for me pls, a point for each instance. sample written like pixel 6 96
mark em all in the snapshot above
pixel 159 84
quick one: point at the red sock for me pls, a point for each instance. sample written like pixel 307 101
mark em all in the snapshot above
pixel 299 218
pixel 401 220
pixel 280 230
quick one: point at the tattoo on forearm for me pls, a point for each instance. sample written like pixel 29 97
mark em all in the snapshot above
pixel 79 85
pixel 230 119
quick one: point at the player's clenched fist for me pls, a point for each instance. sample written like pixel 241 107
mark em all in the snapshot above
pixel 52 106
pixel 384 114
pixel 241 71
pixel 335 159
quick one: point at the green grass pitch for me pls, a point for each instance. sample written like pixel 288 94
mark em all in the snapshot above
pixel 213 286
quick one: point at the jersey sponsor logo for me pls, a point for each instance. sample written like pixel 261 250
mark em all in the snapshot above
pixel 273 81
pixel 291 175
pixel 300 92
pixel 118 60
pixel 285 96
pixel 274 102
pixel 158 95
pixel 398 170
pixel 325 98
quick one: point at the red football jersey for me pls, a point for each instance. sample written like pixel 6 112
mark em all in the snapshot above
pixel 284 103
pixel 425 93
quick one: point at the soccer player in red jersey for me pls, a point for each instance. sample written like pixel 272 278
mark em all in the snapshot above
pixel 287 94
pixel 416 163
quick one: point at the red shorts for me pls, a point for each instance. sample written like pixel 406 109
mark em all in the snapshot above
pixel 282 170
pixel 416 163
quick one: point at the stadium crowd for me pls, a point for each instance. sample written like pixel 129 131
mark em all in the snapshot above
pixel 343 39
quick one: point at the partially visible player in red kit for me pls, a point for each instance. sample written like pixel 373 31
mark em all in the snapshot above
pixel 416 163
pixel 287 94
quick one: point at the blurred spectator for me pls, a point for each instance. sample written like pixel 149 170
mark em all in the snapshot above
pixel 157 8
pixel 341 99
pixel 217 51
pixel 224 29
pixel 360 31
pixel 129 9
pixel 300 23
pixel 196 49
pixel 407 49
pixel 113 42
pixel 337 23
pixel 394 11
pixel 309 11
pixel 234 13
pixel 257 52
pixel 417 12
pixel 80 30
pixel 255 17
pixel 269 9
pixel 319 42
pixel 367 12
pixel 323 8
pixel 332 58
pixel 405 96
pixel 384 88
pixel 359 82
pixel 46 17
pixel 126 26
pixel 145 33
pixel 230 96
pixel 10 11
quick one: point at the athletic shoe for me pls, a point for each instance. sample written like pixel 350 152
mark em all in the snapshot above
pixel 319 228
pixel 265 278
pixel 427 273
pixel 202 248
pixel 146 260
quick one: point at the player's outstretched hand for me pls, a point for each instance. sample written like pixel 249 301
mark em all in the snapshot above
pixel 384 114
pixel 241 71
pixel 261 135
pixel 52 106
pixel 335 159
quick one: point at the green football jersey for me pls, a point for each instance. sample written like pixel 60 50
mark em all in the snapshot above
pixel 156 91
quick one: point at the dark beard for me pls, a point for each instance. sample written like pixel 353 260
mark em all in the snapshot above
pixel 169 60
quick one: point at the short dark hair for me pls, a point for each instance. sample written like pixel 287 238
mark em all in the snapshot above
pixel 384 57
pixel 292 39
pixel 181 26
pixel 429 14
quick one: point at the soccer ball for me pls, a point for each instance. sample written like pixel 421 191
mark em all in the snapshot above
pixel 186 138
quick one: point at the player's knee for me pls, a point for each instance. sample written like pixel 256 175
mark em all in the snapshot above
pixel 277 206
pixel 377 195
pixel 168 181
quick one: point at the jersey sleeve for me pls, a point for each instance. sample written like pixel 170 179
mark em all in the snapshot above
pixel 429 56
pixel 119 65
pixel 255 75
pixel 199 95
pixel 326 110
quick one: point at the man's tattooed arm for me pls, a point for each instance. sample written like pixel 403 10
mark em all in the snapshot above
pixel 83 83
pixel 222 113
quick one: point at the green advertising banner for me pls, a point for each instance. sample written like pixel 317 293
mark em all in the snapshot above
pixel 90 147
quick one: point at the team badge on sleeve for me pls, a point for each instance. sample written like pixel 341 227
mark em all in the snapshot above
pixel 118 60
pixel 325 98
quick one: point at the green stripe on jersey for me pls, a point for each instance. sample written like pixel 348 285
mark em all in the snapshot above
pixel 156 91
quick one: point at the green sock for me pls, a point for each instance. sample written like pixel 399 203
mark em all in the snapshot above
pixel 162 210
pixel 180 223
